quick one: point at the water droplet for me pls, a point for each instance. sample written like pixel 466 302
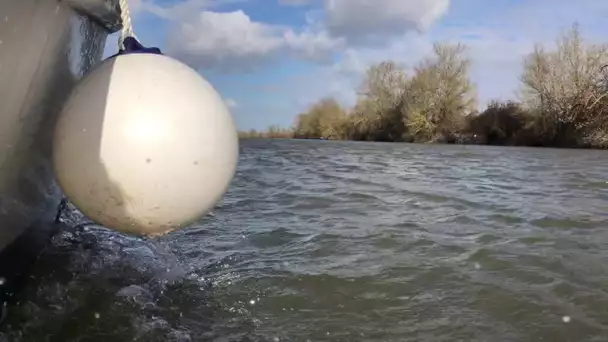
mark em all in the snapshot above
pixel 97 315
pixel 566 319
pixel 477 266
pixel 2 280
pixel 252 302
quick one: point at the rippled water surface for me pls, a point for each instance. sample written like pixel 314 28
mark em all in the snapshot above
pixel 339 241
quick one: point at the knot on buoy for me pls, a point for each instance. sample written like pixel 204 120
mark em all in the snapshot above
pixel 132 45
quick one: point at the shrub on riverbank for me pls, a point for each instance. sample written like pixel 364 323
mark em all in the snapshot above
pixel 325 119
pixel 273 132
pixel 568 90
pixel 564 103
pixel 501 124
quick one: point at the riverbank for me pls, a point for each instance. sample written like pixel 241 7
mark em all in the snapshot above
pixel 501 124
pixel 461 140
pixel 564 102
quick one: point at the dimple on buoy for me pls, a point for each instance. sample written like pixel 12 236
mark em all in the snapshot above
pixel 144 145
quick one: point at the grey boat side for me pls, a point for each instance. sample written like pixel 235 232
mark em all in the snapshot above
pixel 46 46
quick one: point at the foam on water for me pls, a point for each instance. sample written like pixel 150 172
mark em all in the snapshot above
pixel 91 283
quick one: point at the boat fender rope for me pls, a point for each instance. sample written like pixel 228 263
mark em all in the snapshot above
pixel 127 26
pixel 128 43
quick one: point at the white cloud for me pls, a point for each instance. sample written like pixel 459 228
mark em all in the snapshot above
pixel 231 103
pixel 365 21
pixel 135 6
pixel 183 8
pixel 294 2
pixel 225 41
pixel 232 41
pixel 312 45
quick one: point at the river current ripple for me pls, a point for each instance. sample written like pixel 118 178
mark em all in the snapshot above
pixel 342 241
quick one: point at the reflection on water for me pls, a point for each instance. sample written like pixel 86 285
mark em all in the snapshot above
pixel 343 241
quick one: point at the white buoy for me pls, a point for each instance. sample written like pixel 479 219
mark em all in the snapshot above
pixel 144 145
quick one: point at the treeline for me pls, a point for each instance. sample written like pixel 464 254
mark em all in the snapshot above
pixel 273 132
pixel 564 102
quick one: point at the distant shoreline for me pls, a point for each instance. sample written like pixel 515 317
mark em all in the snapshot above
pixel 564 102
pixel 468 143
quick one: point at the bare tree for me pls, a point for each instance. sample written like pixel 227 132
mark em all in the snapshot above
pixel 567 88
pixel 325 119
pixel 440 94
pixel 377 113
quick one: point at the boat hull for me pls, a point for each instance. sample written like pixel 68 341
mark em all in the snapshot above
pixel 46 46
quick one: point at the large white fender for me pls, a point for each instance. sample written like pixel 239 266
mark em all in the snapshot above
pixel 145 145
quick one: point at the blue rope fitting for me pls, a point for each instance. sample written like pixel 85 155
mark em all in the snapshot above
pixel 131 45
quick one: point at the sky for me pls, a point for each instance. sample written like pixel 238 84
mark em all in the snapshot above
pixel 271 59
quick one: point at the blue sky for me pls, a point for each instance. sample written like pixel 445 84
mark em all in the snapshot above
pixel 270 59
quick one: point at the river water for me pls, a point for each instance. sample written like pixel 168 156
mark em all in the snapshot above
pixel 342 241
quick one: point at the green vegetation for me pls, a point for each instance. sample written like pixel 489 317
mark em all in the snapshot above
pixel 564 102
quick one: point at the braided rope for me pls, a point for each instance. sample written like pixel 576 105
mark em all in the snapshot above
pixel 127 26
